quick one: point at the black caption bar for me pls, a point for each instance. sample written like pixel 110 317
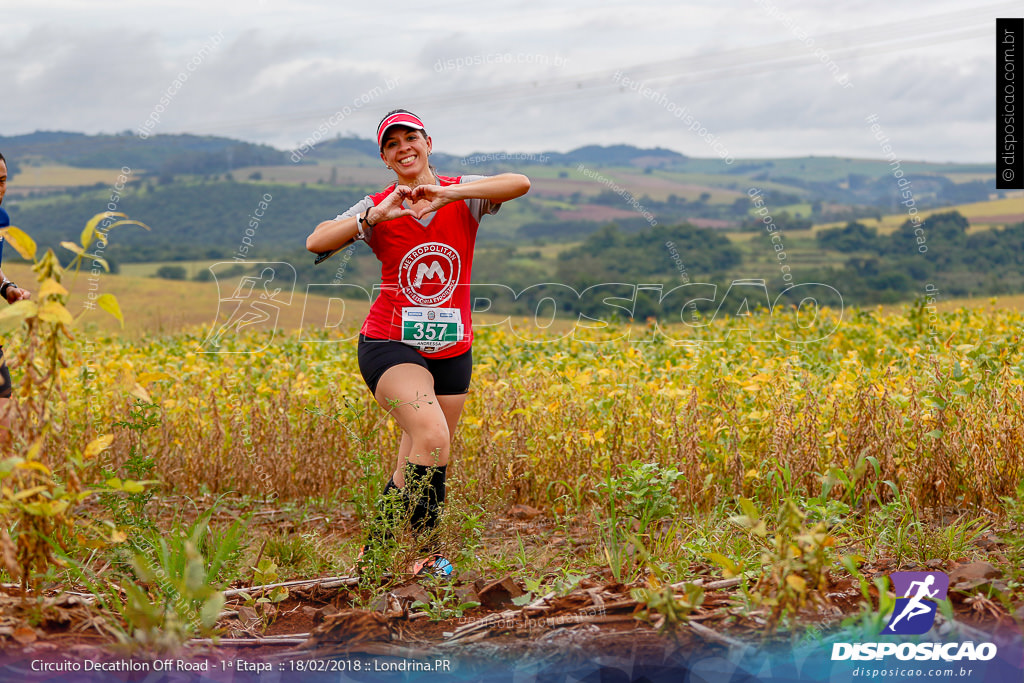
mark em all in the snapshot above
pixel 1009 131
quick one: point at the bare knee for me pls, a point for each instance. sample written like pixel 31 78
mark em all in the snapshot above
pixel 430 445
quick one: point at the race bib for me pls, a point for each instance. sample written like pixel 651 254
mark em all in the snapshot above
pixel 431 329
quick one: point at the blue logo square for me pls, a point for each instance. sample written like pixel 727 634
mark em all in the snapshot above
pixel 917 593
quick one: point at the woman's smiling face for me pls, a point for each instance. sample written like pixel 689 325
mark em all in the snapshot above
pixel 405 150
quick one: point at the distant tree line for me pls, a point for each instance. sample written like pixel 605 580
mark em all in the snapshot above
pixel 159 154
pixel 192 221
pixel 884 268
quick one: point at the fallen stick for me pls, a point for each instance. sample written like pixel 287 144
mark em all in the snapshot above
pixel 247 642
pixel 330 582
pixel 723 583
pixel 463 641
pixel 711 634
pixel 86 597
pixel 540 601
pixel 538 604
pixel 620 604
pixel 556 622
pixel 313 519
pixel 493 618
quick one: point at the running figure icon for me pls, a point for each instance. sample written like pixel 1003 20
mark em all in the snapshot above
pixel 915 607
pixel 254 300
pixel 918 594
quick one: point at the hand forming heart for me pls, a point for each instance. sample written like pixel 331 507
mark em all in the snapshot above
pixel 434 194
pixel 394 205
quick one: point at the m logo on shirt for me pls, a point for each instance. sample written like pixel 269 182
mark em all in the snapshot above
pixel 422 271
pixel 429 273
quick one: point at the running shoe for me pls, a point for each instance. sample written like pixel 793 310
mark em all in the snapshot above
pixel 433 565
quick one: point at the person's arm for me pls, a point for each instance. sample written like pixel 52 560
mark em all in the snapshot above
pixel 333 235
pixel 493 189
pixel 330 236
pixel 497 189
pixel 13 292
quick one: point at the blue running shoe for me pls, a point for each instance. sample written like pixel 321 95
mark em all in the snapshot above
pixel 433 565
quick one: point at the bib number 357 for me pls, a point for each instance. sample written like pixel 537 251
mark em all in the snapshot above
pixel 431 329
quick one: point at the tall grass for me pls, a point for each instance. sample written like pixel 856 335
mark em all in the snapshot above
pixel 933 405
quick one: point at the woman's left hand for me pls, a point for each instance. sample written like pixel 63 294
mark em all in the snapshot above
pixel 15 293
pixel 435 194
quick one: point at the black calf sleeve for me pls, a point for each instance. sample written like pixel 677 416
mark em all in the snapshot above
pixel 425 491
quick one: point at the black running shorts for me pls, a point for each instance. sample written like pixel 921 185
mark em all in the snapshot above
pixel 451 375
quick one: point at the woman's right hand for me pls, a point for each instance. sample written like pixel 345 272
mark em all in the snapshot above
pixel 391 207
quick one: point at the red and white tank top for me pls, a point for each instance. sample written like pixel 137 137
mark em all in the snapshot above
pixel 424 266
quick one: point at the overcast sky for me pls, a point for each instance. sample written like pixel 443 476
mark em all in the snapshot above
pixel 761 77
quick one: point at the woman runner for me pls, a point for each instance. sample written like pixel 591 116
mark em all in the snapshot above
pixel 415 347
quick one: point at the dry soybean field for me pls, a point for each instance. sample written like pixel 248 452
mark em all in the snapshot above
pixel 633 491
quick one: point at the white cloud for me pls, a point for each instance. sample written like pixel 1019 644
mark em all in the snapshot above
pixel 284 67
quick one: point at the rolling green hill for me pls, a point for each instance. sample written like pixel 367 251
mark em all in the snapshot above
pixel 199 195
pixel 197 220
pixel 157 154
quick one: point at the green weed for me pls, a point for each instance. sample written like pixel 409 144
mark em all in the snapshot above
pixel 662 608
pixel 795 562
pixel 445 604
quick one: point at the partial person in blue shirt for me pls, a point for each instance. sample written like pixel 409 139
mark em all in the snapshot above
pixel 10 292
